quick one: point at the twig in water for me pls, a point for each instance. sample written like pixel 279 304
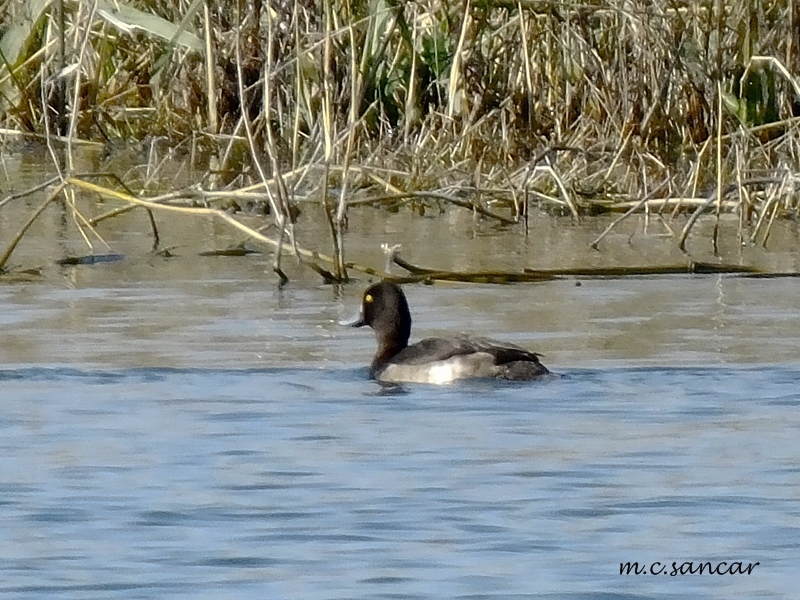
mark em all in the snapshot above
pixel 630 211
pixel 12 246
pixel 30 191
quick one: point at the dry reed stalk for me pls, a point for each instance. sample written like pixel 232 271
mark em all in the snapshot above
pixel 283 218
pixel 300 91
pixel 455 87
pixel 681 202
pixel 744 201
pixel 775 207
pixel 412 112
pixel 62 83
pixel 329 219
pixel 562 188
pixel 767 207
pixel 527 60
pixel 81 221
pixel 277 214
pixel 713 198
pixel 211 89
pixel 73 121
pixel 718 208
pixel 341 211
pixel 329 134
pixel 694 177
pixel 50 148
pixel 327 77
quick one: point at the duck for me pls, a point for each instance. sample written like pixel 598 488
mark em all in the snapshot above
pixel 436 360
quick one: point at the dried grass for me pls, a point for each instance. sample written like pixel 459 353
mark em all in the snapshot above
pixel 575 106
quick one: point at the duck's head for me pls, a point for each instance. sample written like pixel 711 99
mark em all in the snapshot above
pixel 385 309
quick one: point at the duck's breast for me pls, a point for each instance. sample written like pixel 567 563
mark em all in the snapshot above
pixel 463 366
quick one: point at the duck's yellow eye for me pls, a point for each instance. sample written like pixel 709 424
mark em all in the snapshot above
pixel 368 298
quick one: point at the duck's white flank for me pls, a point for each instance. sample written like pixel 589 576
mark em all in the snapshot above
pixel 477 364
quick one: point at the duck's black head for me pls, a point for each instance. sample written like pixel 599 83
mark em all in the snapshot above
pixel 384 308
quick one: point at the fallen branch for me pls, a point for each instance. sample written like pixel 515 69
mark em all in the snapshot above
pixel 532 275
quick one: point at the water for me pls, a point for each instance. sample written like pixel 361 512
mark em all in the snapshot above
pixel 181 428
pixel 231 445
pixel 305 483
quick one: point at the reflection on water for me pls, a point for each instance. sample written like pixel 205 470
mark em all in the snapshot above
pixel 179 427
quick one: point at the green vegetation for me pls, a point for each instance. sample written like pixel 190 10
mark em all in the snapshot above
pixel 578 106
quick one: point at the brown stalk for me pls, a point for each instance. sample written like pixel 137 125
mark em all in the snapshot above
pixel 211 88
pixel 718 208
pixel 278 215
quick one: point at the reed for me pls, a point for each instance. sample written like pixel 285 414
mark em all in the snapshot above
pixel 573 106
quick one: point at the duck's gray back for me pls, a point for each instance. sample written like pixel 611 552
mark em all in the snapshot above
pixel 440 360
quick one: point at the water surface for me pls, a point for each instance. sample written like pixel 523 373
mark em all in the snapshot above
pixel 179 427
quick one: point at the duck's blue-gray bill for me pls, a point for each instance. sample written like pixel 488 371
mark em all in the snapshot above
pixel 355 321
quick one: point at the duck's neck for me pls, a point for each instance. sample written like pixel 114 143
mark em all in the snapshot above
pixel 388 347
